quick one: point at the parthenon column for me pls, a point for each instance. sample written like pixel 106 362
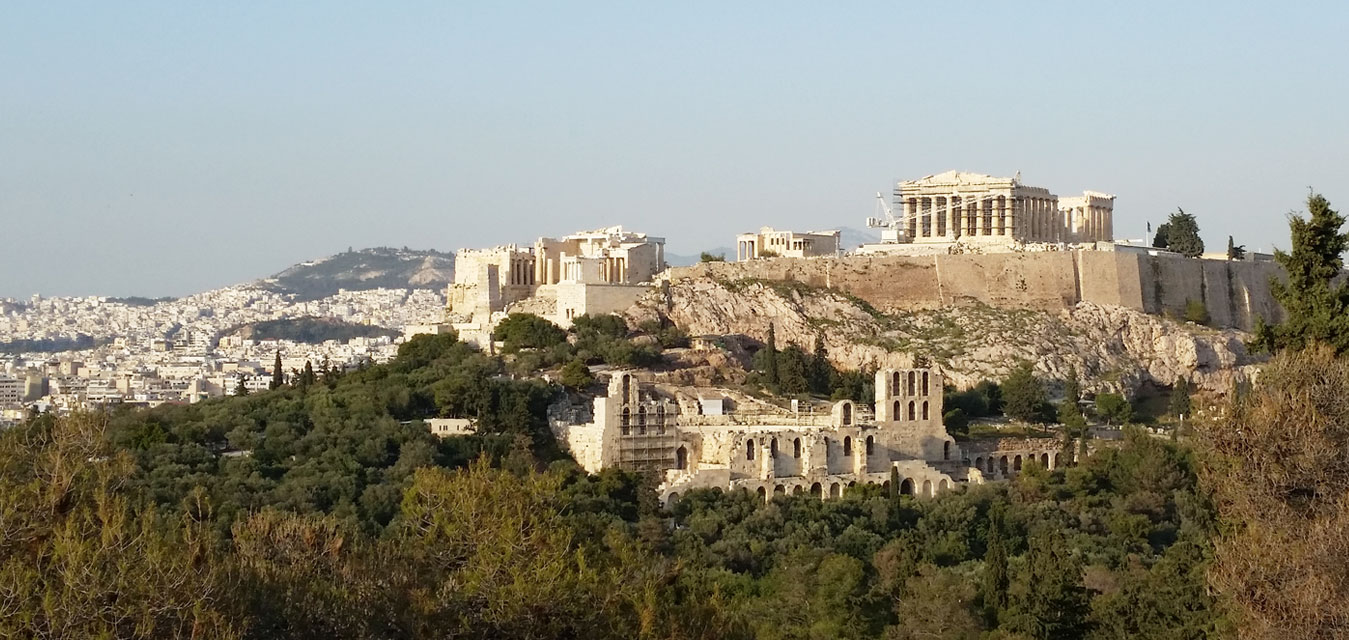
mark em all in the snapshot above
pixel 1008 225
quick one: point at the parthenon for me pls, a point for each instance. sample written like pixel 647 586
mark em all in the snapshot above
pixel 978 208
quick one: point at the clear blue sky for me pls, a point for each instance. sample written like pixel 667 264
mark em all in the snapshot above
pixel 168 148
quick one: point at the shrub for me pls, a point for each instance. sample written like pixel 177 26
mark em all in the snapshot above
pixel 1196 312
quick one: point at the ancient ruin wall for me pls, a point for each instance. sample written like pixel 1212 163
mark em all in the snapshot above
pixel 1235 293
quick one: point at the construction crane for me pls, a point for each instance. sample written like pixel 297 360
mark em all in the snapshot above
pixel 889 223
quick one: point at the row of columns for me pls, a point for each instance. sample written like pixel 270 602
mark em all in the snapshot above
pixel 1091 224
pixel 744 250
pixel 950 217
pixel 522 271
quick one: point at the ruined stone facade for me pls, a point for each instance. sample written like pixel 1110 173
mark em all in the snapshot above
pixel 983 210
pixel 637 428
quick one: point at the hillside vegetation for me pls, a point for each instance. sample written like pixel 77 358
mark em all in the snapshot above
pixel 328 510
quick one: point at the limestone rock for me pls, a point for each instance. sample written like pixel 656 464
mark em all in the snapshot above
pixel 1112 348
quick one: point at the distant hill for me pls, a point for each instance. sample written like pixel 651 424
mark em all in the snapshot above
pixel 309 330
pixel 380 267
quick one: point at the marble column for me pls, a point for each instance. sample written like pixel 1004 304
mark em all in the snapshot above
pixel 1007 226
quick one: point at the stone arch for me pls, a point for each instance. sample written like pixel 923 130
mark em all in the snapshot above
pixel 749 449
pixel 898 413
pixel 979 463
pixel 946 450
pixel 763 495
pixel 871 445
pixel 927 488
pixel 1002 465
pixel 894 383
pixel 1056 461
pixel 847 446
pixel 779 490
pixel 941 485
pixel 798 490
pixel 641 417
pixel 672 498
pixel 835 490
pixel 925 415
pixel 681 458
pixel 992 465
pixel 925 387
pixel 627 386
pixel 1016 463
pixel 796 448
pixel 817 490
pixel 847 413
pixel 773 448
pixel 906 487
pixel 1044 460
pixel 912 414
pixel 625 420
pixel 913 385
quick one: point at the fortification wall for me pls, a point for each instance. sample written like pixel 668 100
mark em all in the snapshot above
pixel 1235 293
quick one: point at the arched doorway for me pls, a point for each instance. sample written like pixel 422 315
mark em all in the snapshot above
pixel 817 490
pixel 835 490
pixel 927 488
pixel 681 458
pixel 906 487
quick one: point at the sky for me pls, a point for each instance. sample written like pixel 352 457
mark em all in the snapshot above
pixel 169 148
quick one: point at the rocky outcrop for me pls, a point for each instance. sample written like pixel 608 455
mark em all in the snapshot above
pixel 1112 348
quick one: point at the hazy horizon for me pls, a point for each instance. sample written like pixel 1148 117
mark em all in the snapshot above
pixel 164 149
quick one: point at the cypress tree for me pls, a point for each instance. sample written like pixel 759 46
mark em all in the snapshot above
pixel 1049 600
pixel 820 370
pixel 241 389
pixel 995 579
pixel 278 374
pixel 1317 308
pixel 307 378
pixel 1180 398
pixel 1072 388
pixel 771 361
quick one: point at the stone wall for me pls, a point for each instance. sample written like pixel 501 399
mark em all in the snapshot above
pixel 1235 293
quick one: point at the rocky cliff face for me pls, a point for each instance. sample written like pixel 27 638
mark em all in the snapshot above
pixel 1113 348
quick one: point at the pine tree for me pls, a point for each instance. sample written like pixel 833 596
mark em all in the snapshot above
pixel 1022 394
pixel 1235 251
pixel 278 374
pixel 241 389
pixel 1317 308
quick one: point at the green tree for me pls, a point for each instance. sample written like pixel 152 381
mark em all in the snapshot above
pixel 278 374
pixel 821 372
pixel 1159 240
pixel 1022 394
pixel 995 576
pixel 527 331
pixel 771 357
pixel 1197 312
pixel 1048 600
pixel 1180 233
pixel 1179 405
pixel 1235 251
pixel 1114 408
pixel 1317 307
pixel 793 370
pixel 241 387
pixel 711 257
pixel 1072 387
pixel 575 375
